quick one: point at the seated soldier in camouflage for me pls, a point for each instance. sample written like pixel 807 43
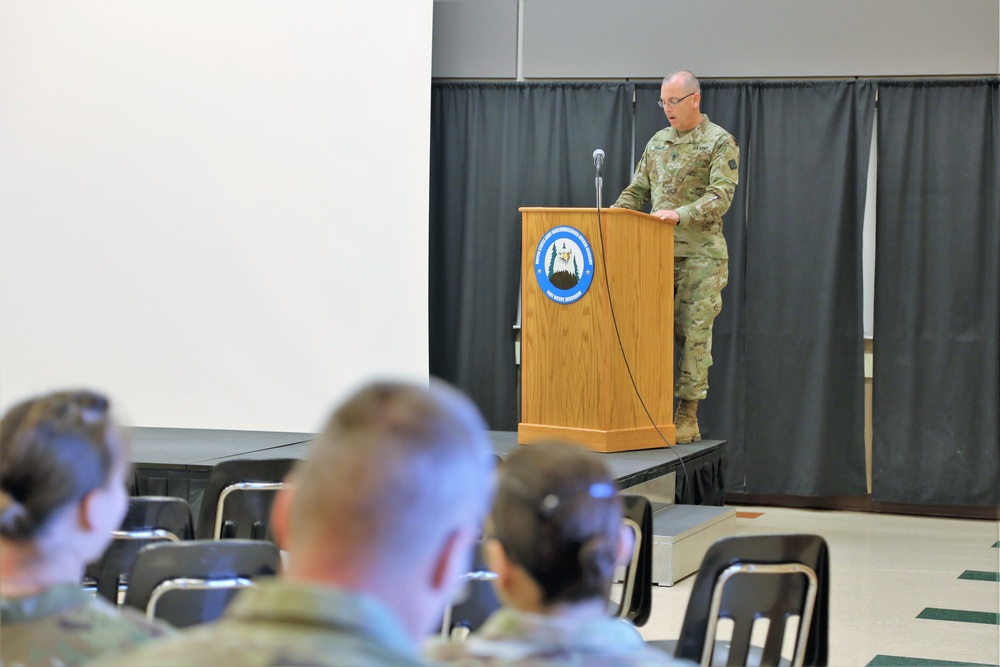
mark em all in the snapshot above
pixel 554 537
pixel 63 462
pixel 378 526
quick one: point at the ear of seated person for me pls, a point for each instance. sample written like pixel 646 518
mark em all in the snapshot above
pixel 378 521
pixel 553 539
pixel 63 463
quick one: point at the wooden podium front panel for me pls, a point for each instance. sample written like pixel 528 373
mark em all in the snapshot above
pixel 559 384
pixel 574 375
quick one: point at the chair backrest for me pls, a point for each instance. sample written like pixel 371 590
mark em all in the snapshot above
pixel 750 577
pixel 635 603
pixel 474 603
pixel 187 583
pixel 132 482
pixel 148 519
pixel 238 498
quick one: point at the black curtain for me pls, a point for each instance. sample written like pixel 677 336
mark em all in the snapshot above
pixel 495 147
pixel 807 157
pixel 721 415
pixel 937 294
pixel 787 386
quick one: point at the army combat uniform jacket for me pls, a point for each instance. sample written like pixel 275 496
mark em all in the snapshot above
pixel 285 623
pixel 511 638
pixel 696 175
pixel 65 625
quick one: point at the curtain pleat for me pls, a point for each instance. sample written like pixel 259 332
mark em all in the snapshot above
pixel 496 147
pixel 808 159
pixel 936 384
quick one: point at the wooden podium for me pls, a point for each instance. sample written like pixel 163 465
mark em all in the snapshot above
pixel 575 384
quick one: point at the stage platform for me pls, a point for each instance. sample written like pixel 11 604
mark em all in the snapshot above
pixel 177 461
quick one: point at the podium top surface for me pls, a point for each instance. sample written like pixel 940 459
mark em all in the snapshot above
pixel 558 209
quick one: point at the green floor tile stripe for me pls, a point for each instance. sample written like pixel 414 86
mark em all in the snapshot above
pixel 935 614
pixel 902 661
pixel 979 575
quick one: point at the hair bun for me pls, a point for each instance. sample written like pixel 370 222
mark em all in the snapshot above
pixel 15 521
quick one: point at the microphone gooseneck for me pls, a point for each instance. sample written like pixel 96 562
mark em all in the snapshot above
pixel 599 179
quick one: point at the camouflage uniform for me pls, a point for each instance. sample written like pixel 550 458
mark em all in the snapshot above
pixel 695 175
pixel 64 625
pixel 281 622
pixel 511 638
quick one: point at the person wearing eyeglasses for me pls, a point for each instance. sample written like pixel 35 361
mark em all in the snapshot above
pixel 63 462
pixel 689 172
pixel 553 539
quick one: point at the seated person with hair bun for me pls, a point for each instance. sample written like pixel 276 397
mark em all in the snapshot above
pixel 553 539
pixel 63 462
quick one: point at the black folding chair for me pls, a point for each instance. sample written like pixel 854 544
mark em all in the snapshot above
pixel 752 577
pixel 474 603
pixel 238 498
pixel 187 583
pixel 636 600
pixel 148 519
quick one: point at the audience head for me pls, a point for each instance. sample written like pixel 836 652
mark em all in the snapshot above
pixel 391 497
pixel 63 461
pixel 558 519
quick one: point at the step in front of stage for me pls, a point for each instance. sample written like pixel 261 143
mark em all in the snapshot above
pixel 682 535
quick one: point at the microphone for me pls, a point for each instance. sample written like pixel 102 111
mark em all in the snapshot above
pixel 598 159
pixel 598 179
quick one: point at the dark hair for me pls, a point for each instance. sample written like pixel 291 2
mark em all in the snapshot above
pixel 557 514
pixel 54 450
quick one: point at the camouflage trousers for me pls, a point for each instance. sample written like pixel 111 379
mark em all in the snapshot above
pixel 698 283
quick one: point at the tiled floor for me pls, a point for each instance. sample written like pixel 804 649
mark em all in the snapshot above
pixel 905 590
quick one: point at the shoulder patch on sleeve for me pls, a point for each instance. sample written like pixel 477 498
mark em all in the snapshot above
pixel 732 164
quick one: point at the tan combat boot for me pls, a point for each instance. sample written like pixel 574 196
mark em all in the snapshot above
pixel 686 421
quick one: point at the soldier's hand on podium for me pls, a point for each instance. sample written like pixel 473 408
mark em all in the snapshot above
pixel 669 216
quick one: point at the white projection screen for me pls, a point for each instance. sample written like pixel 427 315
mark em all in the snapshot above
pixel 213 210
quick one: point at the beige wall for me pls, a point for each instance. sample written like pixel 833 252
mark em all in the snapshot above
pixel 591 39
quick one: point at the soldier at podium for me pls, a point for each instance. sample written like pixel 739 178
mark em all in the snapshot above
pixel 689 170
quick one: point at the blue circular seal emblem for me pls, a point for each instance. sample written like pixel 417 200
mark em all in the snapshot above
pixel 564 264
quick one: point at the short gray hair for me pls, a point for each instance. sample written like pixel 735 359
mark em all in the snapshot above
pixel 686 78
